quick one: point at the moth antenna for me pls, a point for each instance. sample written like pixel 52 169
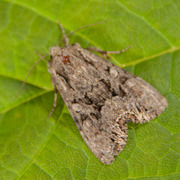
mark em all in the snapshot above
pixel 65 39
pixel 22 86
pixel 82 27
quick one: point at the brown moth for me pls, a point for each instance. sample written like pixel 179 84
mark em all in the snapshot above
pixel 102 97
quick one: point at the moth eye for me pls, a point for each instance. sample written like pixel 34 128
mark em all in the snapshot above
pixel 65 59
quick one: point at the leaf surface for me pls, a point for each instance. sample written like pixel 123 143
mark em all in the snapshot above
pixel 34 147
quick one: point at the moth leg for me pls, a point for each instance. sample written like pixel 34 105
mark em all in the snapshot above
pixel 55 98
pixel 34 65
pixel 65 39
pixel 105 53
pixel 42 56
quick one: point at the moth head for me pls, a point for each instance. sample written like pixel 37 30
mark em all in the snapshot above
pixel 59 54
pixel 55 51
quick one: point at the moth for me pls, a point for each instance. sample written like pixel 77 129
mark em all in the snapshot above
pixel 101 97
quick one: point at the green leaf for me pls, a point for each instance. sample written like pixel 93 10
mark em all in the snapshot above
pixel 34 147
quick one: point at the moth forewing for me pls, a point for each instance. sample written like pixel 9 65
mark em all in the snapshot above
pixel 102 98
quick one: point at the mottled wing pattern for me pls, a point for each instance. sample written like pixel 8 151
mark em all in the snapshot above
pixel 102 98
